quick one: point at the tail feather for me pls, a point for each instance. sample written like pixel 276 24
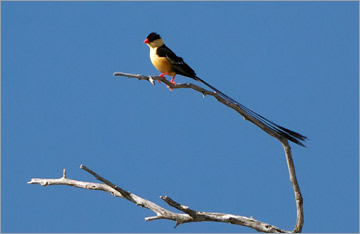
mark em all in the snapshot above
pixel 288 134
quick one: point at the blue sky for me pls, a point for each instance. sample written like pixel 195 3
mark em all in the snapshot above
pixel 295 63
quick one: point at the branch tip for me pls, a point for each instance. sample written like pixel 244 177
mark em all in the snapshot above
pixel 151 218
pixel 177 224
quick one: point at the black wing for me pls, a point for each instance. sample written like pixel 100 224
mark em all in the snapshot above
pixel 178 64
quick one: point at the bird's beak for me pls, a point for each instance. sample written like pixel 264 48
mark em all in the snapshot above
pixel 146 41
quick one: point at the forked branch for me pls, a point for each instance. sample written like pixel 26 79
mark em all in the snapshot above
pixel 190 215
pixel 187 216
pixel 247 116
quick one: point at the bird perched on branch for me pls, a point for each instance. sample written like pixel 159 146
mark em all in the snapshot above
pixel 168 63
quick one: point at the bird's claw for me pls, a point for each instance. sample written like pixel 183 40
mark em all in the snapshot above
pixel 172 82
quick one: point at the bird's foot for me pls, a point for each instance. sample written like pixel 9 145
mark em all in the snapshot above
pixel 162 75
pixel 172 82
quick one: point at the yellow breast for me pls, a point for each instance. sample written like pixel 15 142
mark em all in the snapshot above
pixel 160 63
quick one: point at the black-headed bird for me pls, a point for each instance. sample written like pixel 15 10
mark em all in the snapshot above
pixel 168 63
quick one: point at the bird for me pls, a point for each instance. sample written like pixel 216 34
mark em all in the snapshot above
pixel 168 63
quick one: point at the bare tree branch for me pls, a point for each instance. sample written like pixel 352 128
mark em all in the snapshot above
pixel 298 197
pixel 190 215
pixel 266 125
pixel 246 116
pixel 161 213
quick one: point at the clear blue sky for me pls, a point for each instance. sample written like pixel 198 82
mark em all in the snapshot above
pixel 294 62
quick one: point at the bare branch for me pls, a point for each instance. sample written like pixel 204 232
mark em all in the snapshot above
pixel 75 183
pixel 191 215
pixel 161 213
pixel 266 125
pixel 246 116
pixel 298 197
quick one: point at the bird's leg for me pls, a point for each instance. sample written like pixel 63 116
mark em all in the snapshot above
pixel 172 80
pixel 162 75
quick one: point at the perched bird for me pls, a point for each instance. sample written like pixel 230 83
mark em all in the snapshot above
pixel 168 63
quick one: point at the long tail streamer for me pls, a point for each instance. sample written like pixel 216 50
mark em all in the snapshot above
pixel 288 134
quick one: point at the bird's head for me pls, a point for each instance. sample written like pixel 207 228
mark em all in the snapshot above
pixel 154 40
